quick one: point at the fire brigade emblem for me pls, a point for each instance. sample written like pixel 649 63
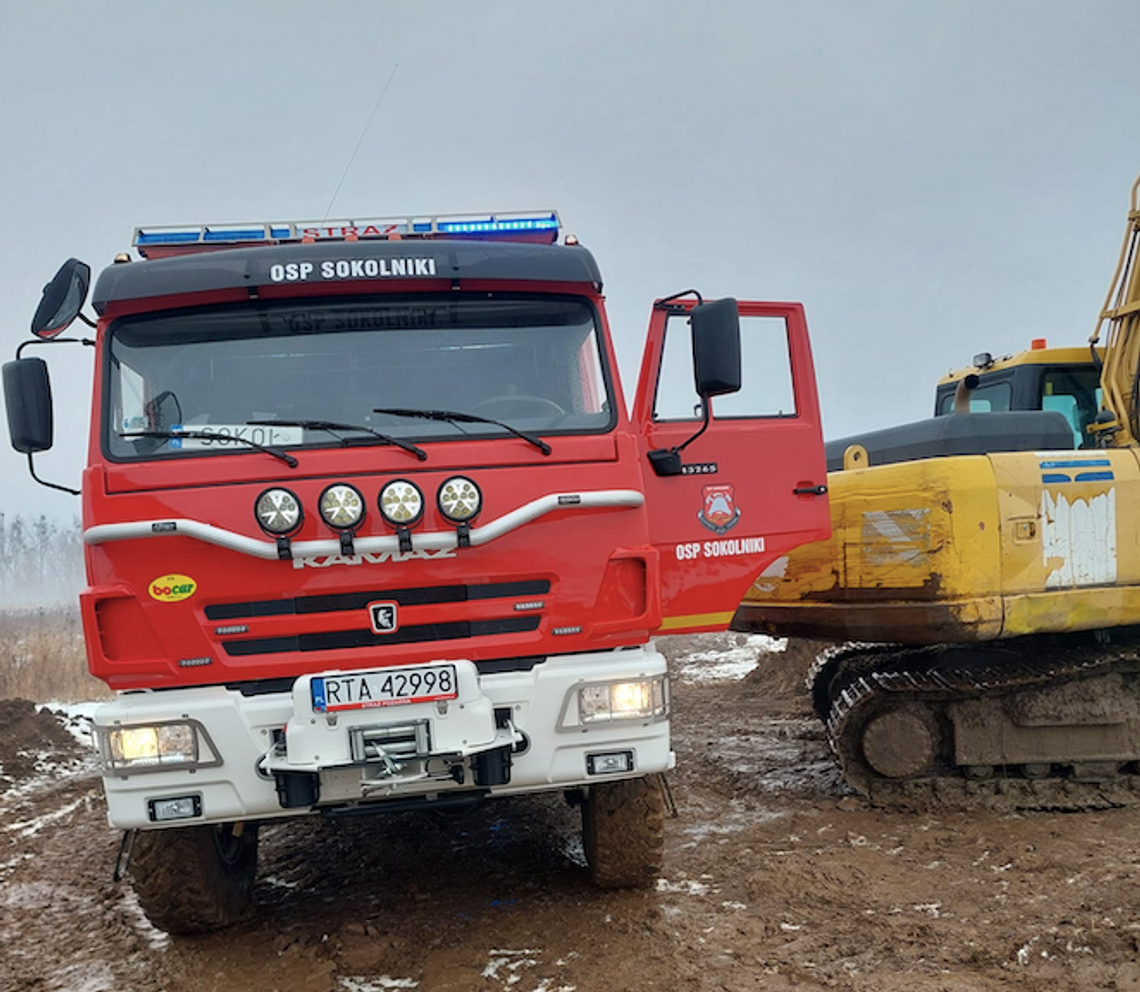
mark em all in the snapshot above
pixel 720 512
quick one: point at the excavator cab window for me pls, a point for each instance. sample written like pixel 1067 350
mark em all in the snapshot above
pixel 990 397
pixel 1076 393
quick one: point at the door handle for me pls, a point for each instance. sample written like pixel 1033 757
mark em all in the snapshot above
pixel 810 490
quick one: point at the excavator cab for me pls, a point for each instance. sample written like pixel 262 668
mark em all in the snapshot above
pixel 1065 380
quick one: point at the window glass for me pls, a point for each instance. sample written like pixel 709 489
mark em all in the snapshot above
pixel 993 397
pixel 1076 393
pixel 532 363
pixel 766 379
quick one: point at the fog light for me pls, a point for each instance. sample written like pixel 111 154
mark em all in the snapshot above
pixel 459 499
pixel 401 503
pixel 609 764
pixel 639 699
pixel 178 808
pixel 341 506
pixel 278 511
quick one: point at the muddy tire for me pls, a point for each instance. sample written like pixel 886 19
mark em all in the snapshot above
pixel 194 879
pixel 623 832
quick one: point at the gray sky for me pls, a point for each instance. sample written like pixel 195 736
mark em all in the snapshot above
pixel 932 178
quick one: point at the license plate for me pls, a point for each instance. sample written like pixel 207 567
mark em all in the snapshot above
pixel 389 687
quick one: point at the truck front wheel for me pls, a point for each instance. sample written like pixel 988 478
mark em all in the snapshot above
pixel 623 832
pixel 194 879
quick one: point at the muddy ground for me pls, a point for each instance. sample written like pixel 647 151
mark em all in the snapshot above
pixel 775 878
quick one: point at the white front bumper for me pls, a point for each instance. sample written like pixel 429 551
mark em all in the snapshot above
pixel 257 738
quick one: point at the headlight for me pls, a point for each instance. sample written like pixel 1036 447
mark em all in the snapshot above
pixel 156 747
pixel 459 499
pixel 341 506
pixel 401 503
pixel 278 512
pixel 150 746
pixel 641 699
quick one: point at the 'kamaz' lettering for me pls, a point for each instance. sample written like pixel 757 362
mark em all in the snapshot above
pixel 372 558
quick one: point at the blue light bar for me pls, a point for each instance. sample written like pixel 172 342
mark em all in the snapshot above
pixel 495 226
pixel 534 226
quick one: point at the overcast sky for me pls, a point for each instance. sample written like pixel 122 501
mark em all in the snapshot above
pixel 930 178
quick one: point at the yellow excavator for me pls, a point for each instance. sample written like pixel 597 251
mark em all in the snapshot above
pixel 982 582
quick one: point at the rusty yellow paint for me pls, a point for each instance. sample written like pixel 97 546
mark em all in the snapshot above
pixel 965 548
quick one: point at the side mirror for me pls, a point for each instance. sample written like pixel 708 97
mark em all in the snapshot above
pixel 63 298
pixel 27 395
pixel 716 347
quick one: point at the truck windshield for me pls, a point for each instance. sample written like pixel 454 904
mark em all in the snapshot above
pixel 328 371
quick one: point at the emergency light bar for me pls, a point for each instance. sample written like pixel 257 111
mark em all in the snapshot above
pixel 537 226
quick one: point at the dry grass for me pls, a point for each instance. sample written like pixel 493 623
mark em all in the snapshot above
pixel 42 657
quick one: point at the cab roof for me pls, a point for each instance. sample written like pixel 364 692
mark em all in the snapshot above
pixel 1031 356
pixel 323 263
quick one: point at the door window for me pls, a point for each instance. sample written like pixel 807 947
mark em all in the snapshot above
pixel 766 380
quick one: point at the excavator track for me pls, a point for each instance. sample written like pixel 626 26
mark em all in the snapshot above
pixel 1046 722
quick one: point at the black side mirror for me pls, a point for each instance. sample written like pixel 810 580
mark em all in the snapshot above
pixel 63 298
pixel 27 396
pixel 716 347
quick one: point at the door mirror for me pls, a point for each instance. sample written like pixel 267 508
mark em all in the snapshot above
pixel 27 395
pixel 63 298
pixel 716 347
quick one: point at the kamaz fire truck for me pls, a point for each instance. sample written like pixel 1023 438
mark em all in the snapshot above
pixel 368 527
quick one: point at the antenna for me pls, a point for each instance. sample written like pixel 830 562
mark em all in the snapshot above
pixel 360 141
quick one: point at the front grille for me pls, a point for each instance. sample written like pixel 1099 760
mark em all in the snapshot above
pixel 344 639
pixel 346 601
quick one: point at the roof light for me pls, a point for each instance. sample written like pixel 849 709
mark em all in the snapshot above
pixel 539 225
pixel 1038 344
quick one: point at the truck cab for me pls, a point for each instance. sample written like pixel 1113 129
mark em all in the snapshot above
pixel 368 526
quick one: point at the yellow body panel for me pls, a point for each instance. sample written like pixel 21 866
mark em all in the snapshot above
pixel 1031 356
pixel 965 548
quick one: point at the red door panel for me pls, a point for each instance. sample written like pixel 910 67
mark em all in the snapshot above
pixel 734 510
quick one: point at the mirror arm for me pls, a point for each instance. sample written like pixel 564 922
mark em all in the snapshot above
pixel 44 482
pixel 89 342
pixel 706 402
pixel 667 461
pixel 87 320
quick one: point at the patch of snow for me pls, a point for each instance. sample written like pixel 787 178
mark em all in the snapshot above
pixel 512 961
pixel 157 940
pixel 686 886
pixel 281 883
pixel 379 984
pixel 79 720
pixel 29 828
pixel 729 664
pixel 91 976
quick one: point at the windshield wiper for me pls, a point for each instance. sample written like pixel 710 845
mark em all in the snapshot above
pixel 269 449
pixel 454 417
pixel 333 427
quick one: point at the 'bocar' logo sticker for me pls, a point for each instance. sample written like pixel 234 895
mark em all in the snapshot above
pixel 172 588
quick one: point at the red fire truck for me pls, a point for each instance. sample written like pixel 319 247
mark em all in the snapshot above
pixel 368 527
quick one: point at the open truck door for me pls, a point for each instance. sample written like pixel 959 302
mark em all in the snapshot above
pixel 734 477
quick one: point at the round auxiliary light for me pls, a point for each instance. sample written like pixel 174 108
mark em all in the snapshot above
pixel 341 506
pixel 278 511
pixel 459 499
pixel 401 503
